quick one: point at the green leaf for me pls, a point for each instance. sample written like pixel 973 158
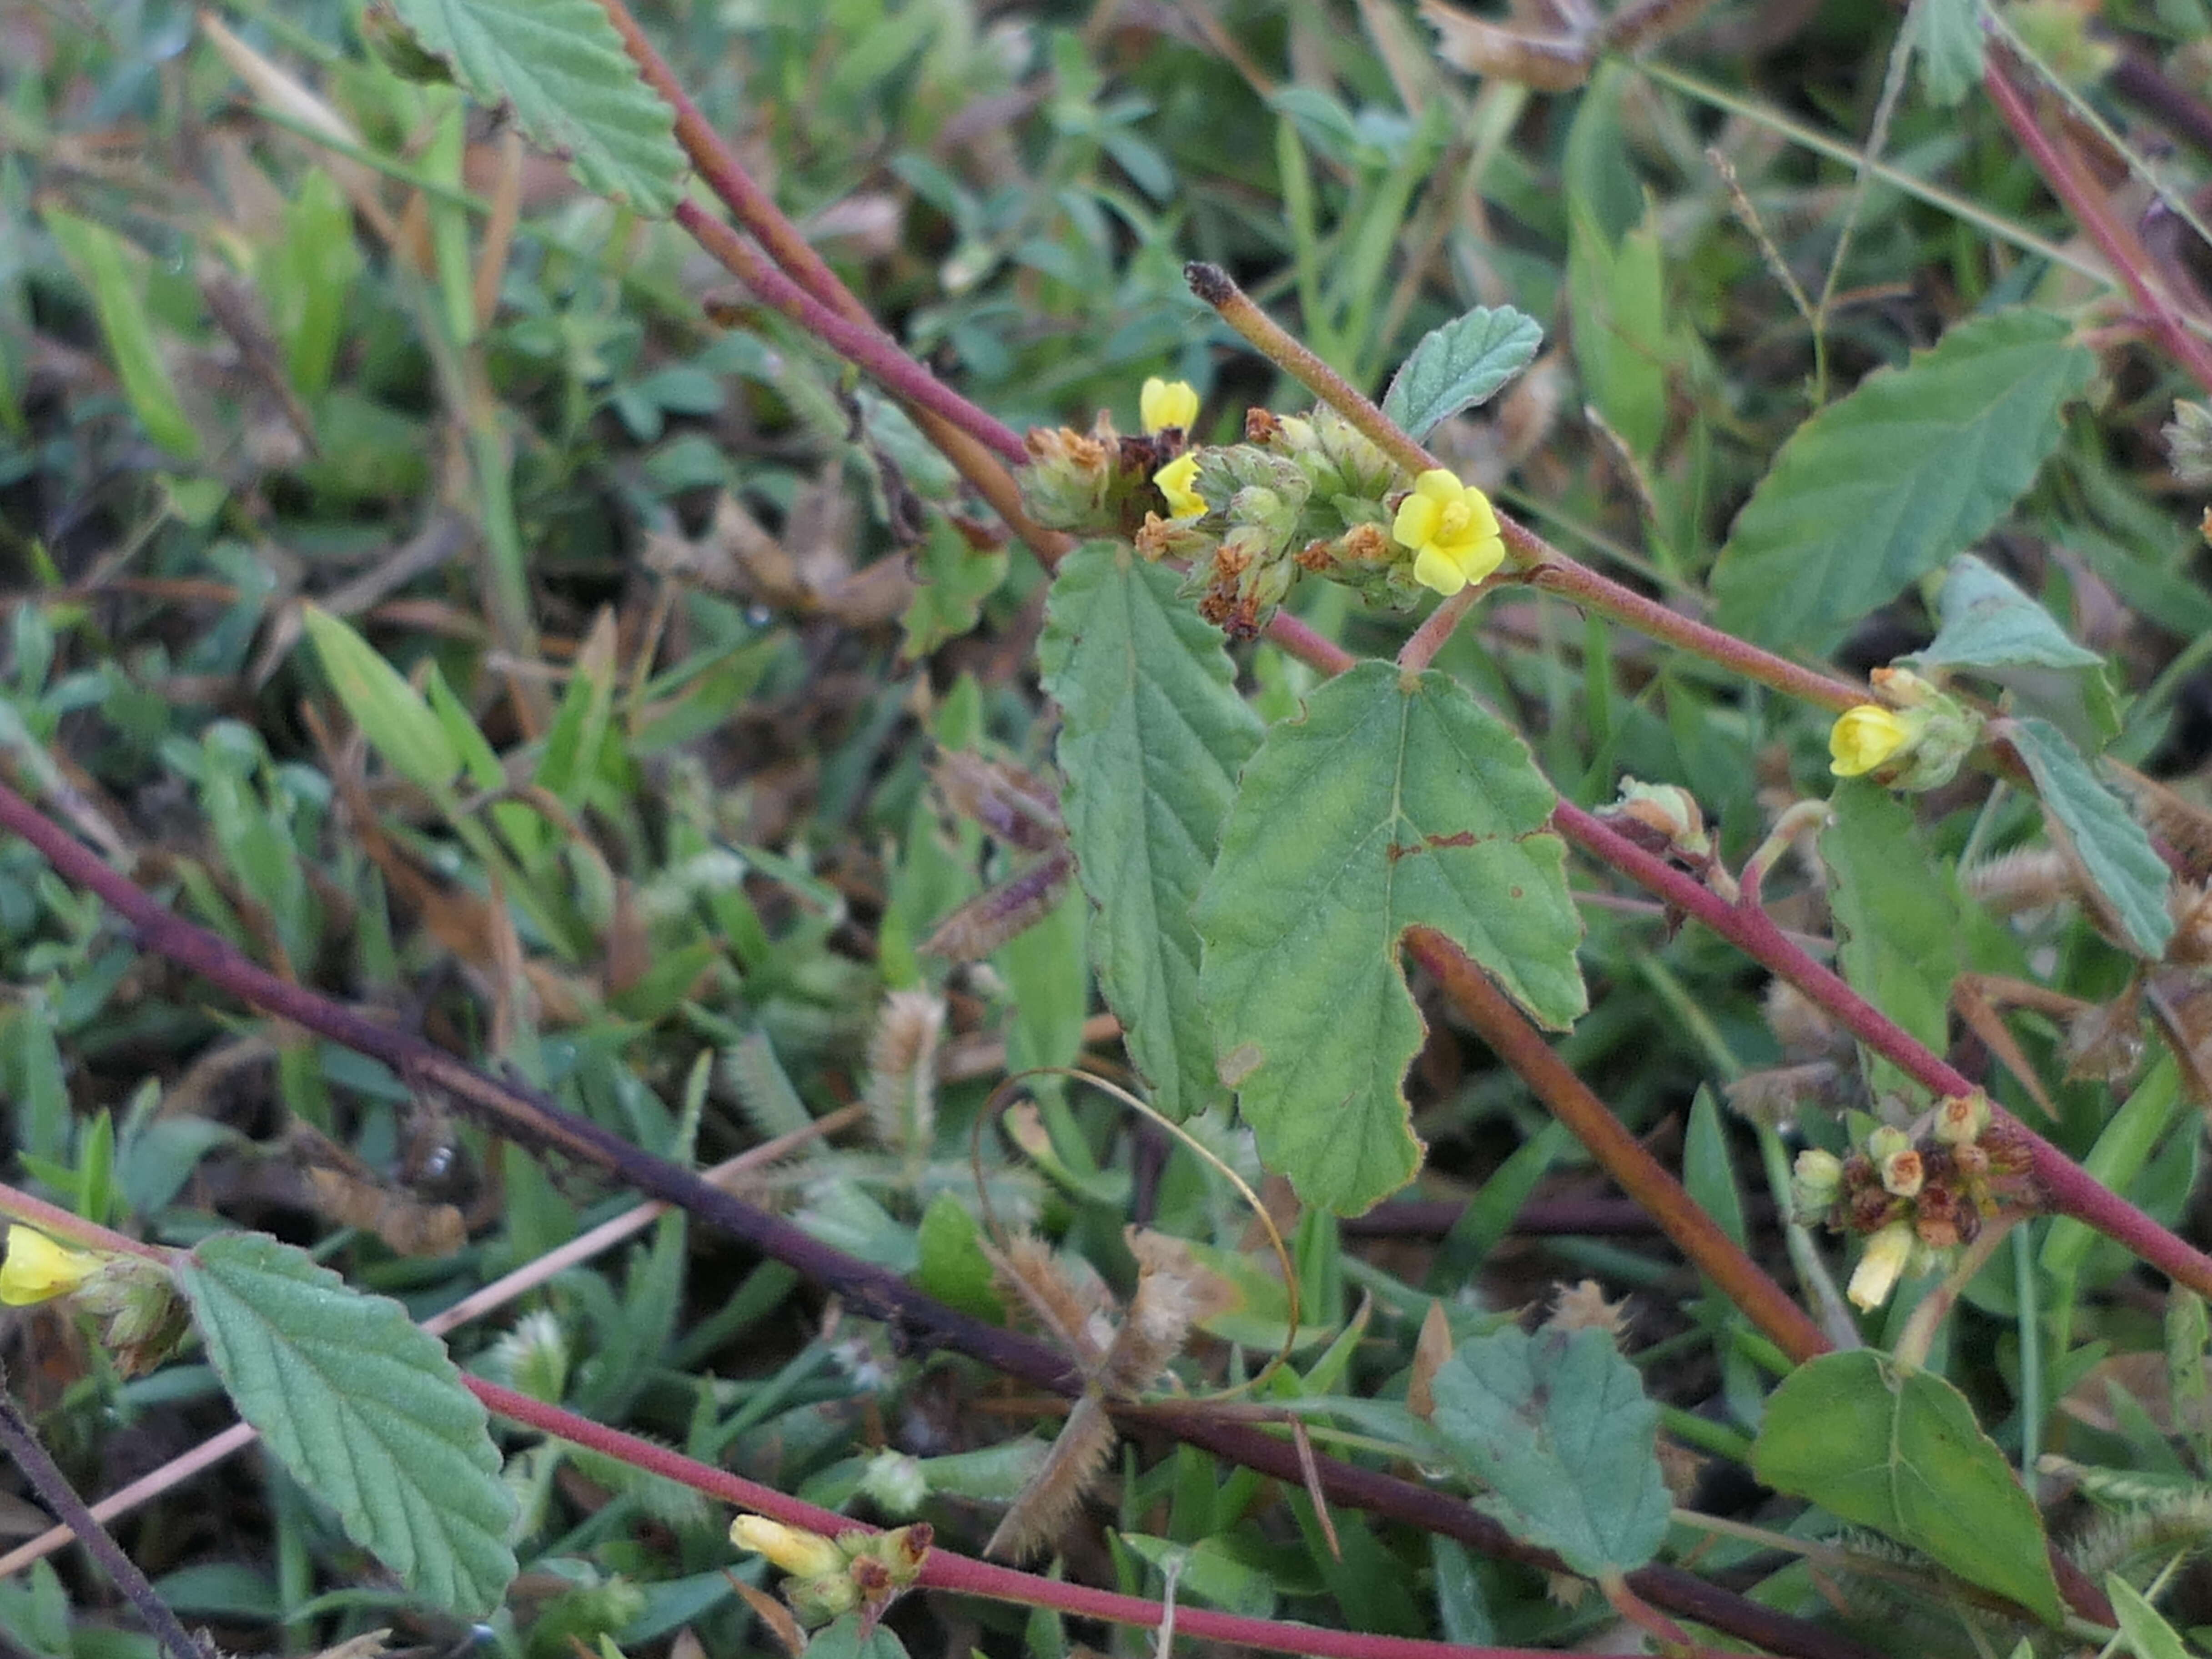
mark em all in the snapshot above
pixel 560 67
pixel 845 1640
pixel 1557 1427
pixel 952 1267
pixel 1987 622
pixel 2114 851
pixel 1616 302
pixel 392 715
pixel 1900 1451
pixel 1460 365
pixel 364 1409
pixel 2122 1150
pixel 2145 1630
pixel 96 254
pixel 1950 46
pixel 1396 802
pixel 954 577
pixel 1152 737
pixel 1877 489
pixel 1898 916
pixel 1209 1573
pixel 308 277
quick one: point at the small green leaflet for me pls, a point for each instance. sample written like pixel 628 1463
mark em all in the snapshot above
pixel 391 712
pixel 1396 802
pixel 2114 851
pixel 2147 1631
pixel 1900 1451
pixel 1875 491
pixel 1460 365
pixel 1557 1427
pixel 364 1409
pixel 954 577
pixel 1947 40
pixel 560 67
pixel 1987 622
pixel 844 1639
pixel 1151 738
pixel 1897 916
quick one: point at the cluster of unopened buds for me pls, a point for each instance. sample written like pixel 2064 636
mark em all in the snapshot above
pixel 1302 494
pixel 1914 1195
pixel 829 1577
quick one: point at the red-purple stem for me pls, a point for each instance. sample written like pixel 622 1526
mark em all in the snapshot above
pixel 2071 1190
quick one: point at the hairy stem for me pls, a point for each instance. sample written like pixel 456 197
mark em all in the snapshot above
pixel 1541 565
pixel 870 1292
pixel 2063 170
pixel 21 1443
pixel 1641 1175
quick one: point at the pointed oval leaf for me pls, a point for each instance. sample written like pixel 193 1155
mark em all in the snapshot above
pixel 1152 736
pixel 1396 802
pixel 1900 1451
pixel 1557 1426
pixel 1987 622
pixel 1897 916
pixel 364 1409
pixel 1950 46
pixel 1460 365
pixel 2113 848
pixel 561 68
pixel 96 254
pixel 1878 488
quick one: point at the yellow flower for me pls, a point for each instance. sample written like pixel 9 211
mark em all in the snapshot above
pixel 1883 1265
pixel 1452 530
pixel 1174 480
pixel 801 1554
pixel 1864 737
pixel 37 1269
pixel 1164 404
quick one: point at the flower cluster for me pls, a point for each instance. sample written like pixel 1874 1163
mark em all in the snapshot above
pixel 829 1577
pixel 134 1301
pixel 1301 495
pixel 1915 740
pixel 1915 1194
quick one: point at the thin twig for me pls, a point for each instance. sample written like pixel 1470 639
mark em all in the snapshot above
pixel 21 1443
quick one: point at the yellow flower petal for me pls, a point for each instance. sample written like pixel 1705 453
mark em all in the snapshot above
pixel 1864 737
pixel 37 1269
pixel 1435 568
pixel 1174 480
pixel 1164 404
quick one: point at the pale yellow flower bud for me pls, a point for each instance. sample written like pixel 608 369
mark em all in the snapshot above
pixel 1164 404
pixel 1882 1265
pixel 1864 737
pixel 801 1554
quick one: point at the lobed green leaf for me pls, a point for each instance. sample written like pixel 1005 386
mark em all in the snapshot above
pixel 1396 802
pixel 1875 491
pixel 1899 1451
pixel 365 1410
pixel 1153 736
pixel 561 68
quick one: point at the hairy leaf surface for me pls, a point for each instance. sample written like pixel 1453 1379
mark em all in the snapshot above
pixel 365 1410
pixel 1460 365
pixel 2115 851
pixel 1151 738
pixel 1880 488
pixel 1396 802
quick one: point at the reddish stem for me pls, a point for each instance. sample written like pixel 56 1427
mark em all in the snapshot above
pixel 942 1570
pixel 1638 1174
pixel 2070 1189
pixel 2062 170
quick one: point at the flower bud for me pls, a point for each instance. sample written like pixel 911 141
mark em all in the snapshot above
pixel 801 1554
pixel 37 1269
pixel 1165 403
pixel 1902 1175
pixel 1960 1119
pixel 1883 1265
pixel 1816 1180
pixel 1885 1141
pixel 1864 737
